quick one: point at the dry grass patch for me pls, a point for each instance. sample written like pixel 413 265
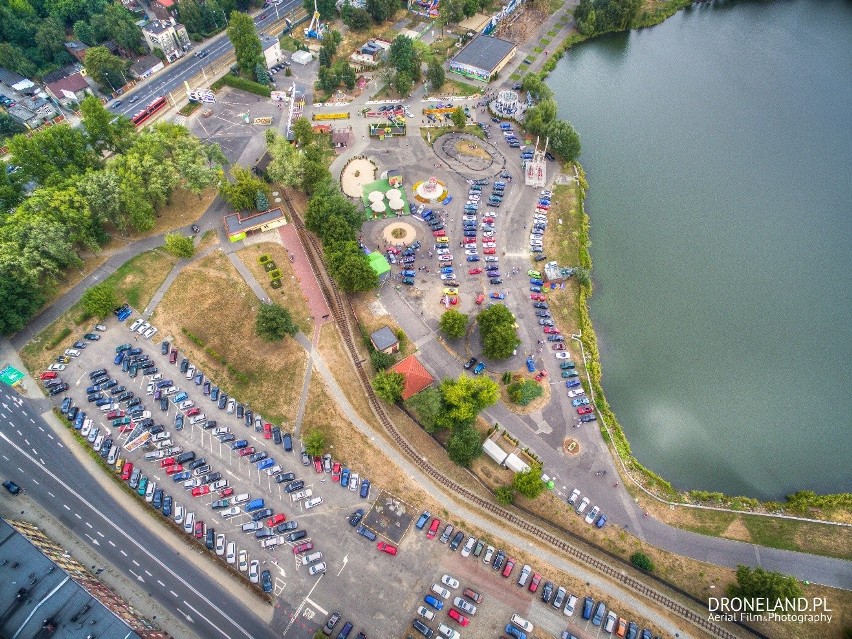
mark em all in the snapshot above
pixel 213 304
pixel 369 323
pixel 183 209
pixel 290 295
pixel 334 354
pixel 135 281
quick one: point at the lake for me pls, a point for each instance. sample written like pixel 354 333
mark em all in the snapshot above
pixel 718 149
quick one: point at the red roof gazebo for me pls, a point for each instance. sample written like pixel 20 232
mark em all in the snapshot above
pixel 416 376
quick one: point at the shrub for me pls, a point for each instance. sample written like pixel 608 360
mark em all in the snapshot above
pixel 382 361
pixel 242 84
pixel 525 391
pixel 274 322
pixel 269 265
pixel 99 300
pixel 61 335
pixel 642 561
pixel 263 259
pixel 276 283
pixel 275 274
pixel 505 495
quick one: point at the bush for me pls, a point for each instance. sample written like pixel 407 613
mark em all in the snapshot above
pixel 274 323
pixel 382 361
pixel 263 259
pixel 276 283
pixel 505 495
pixel 189 109
pixel 642 561
pixel 389 386
pixel 524 392
pixel 179 245
pixel 99 300
pixel 237 82
pixel 314 442
pixel 529 482
pixel 61 335
pixel 269 265
pixel 275 274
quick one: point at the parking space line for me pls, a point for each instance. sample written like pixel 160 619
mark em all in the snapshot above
pixel 123 553
pixel 135 563
pixel 316 605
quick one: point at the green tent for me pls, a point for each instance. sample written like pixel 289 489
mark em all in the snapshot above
pixel 379 263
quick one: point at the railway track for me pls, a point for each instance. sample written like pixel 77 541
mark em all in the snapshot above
pixel 341 313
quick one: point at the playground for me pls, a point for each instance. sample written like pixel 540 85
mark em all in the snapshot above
pixel 383 200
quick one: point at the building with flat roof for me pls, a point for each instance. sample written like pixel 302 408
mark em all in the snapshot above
pixel 45 592
pixel 168 36
pixel 483 58
pixel 239 225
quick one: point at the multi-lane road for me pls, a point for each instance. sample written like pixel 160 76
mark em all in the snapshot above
pixel 171 78
pixel 34 457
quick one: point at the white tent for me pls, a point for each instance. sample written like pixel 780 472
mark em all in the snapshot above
pixel 396 205
pixel 376 196
pixel 302 57
pixel 394 194
pixel 378 207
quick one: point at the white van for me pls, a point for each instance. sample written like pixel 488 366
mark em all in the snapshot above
pixel 241 498
pixel 522 623
pixel 189 524
pixel 611 618
pixel 316 501
pixel 311 558
pixel 149 491
pixel 271 542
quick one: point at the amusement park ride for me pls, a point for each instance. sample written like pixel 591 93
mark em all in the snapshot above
pixel 535 171
pixel 316 29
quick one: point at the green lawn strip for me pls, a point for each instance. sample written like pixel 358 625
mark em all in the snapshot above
pixel 800 536
pixel 438 131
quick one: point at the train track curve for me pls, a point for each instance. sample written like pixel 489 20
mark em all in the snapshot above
pixel 341 311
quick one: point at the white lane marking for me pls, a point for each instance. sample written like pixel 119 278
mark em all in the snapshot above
pixel 36 482
pixel 173 593
pixel 49 435
pixel 99 534
pixel 88 524
pixel 316 605
pixel 135 563
pixel 301 605
pixel 109 542
pixel 51 494
pixel 78 516
pixel 133 541
pixel 123 553
pixel 65 506
pixel 161 583
pixel 41 429
pixel 60 444
pixel 148 573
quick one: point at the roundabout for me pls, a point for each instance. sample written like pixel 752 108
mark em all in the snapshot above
pixel 397 233
pixel 469 155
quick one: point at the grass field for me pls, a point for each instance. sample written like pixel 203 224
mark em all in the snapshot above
pixel 135 281
pixel 211 301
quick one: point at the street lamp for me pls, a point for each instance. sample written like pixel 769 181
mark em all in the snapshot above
pixel 576 338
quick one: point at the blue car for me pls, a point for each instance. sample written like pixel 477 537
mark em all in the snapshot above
pixel 265 463
pixel 591 417
pixel 580 401
pixel 167 506
pixel 435 603
pixel 588 604
pixel 344 478
pixel 365 488
pixel 118 358
pixel 240 443
pixel 182 476
pixel 123 315
pixel 515 632
pixel 536 282
pixel 530 365
pixel 572 383
pixel 470 233
pixel 423 519
pixel 535 289
pixel 447 200
pixel 601 522
pixel 178 422
pixel 472 258
pixel 446 269
pixel 266 581
pixel 479 368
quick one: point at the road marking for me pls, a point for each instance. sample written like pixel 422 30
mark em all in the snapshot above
pixel 161 583
pixel 133 541
pixel 41 429
pixel 173 593
pixel 35 481
pixel 302 605
pixel 317 606
pixel 109 542
pixel 148 573
pixel 51 494
pixel 99 534
pixel 123 553
pixel 88 524
pixel 60 444
pixel 136 563
pixel 139 577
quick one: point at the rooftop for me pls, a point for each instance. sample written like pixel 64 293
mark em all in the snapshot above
pixel 159 26
pixel 383 338
pixel 268 41
pixel 73 83
pixel 484 52
pixel 417 378
pixel 240 223
pixel 145 63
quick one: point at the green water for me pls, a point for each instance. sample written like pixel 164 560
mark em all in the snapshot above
pixel 719 154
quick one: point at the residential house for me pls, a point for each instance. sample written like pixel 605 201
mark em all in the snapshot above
pixel 168 36
pixel 146 66
pixel 271 50
pixel 385 340
pixel 77 49
pixel 72 88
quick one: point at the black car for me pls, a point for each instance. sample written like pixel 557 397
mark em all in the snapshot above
pixel 547 592
pixel 498 560
pixel 294 486
pixel 280 478
pixel 223 400
pixel 263 533
pixel 185 457
pixel 159 428
pixel 261 514
pixel 258 456
pixel 330 623
pixel 164 347
pixel 72 413
pixel 164 404
pixel 288 442
pixel 97 373
pixel 152 370
pixel 134 402
pixel 240 411
pixel 184 365
pixel 454 544
pixel 470 363
pixel 355 518
pixel 214 393
pixel 157 501
pixel 266 581
pixel 496 280
pixel 249 417
pixel 227 437
pixel 540 305
pixel 287 526
pixel 105 448
pixel 210 540
pixel 297 535
pixel 208 425
pixel 540 258
pixel 276 435
pixel 197 463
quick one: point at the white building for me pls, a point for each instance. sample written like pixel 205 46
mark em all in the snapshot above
pixel 167 36
pixel 271 50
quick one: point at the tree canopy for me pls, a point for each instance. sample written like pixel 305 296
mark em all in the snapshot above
pixel 464 445
pixel 274 323
pixel 107 69
pixel 529 482
pixel 601 16
pixel 99 300
pixel 454 324
pixel 179 245
pixel 435 74
pixel 389 386
pixel 247 47
pixel 314 441
pixel 757 583
pixel 464 398
pixel 242 192
pixel 497 332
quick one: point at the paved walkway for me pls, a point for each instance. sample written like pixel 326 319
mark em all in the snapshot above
pixel 305 275
pixel 170 278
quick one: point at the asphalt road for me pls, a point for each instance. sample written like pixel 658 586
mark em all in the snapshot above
pixel 172 77
pixel 35 459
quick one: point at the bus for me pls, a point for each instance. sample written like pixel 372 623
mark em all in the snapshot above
pixel 139 118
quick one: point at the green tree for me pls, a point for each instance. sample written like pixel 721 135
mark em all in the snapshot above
pixel 459 118
pixel 274 323
pixel 402 56
pixel 314 442
pixel 427 405
pixel 105 131
pixel 50 39
pixel 327 79
pixel 464 445
pixel 435 74
pixel 179 245
pixel 564 140
pixel 121 27
pixel 402 82
pixel 525 391
pixel 381 361
pixel 303 131
pixel 454 324
pixel 241 193
pixel 463 399
pixel 84 32
pixel 11 189
pixel 191 16
pixel 389 386
pixel 20 295
pixel 53 154
pixel 539 116
pixel 355 18
pixel 356 274
pixel 285 165
pixel 327 8
pixel 345 74
pixel 106 69
pixel 504 495
pixel 757 583
pixel 534 84
pixel 529 482
pixel 582 276
pixel 247 47
pixel 99 300
pixel 497 332
pixel 327 203
pixel 66 206
pixel 642 561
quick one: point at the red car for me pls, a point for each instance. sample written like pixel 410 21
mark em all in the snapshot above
pixel 267 431
pixel 199 529
pixel 247 451
pixel 507 569
pixel 558 346
pixel 168 461
pixel 226 492
pixel 318 464
pixel 538 297
pixel 200 490
pixel 479 299
pixel 433 529
pixel 173 356
pixel 470 240
pixel 115 414
pixel 125 428
pixel 305 547
pixel 335 471
pixel 48 375
pixel 455 615
pixel 585 410
pixel 550 330
pixel 488 220
pixel 541 376
pixel 536 580
pixel 391 550
pixel 474 271
pixel 440 233
pixel 126 471
pixel 489 251
pixel 175 468
pixel 192 412
pixel 276 519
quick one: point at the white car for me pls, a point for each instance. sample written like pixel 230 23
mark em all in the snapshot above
pixel 489 552
pixel 468 547
pixel 463 604
pixel 179 514
pixel 440 591
pixel 254 571
pixel 583 505
pixel 443 251
pixel 448 276
pixel 570 605
pixel 156 377
pixel 149 389
pixel 562 355
pixel 185 405
pixel 592 514
pixel 143 327
pixel 233 511
pixel 198 419
pixel 220 544
pixel 219 485
pixel 472 251
pixel 491 258
pixel 316 569
pixel 231 553
pixel 99 442
pixel 150 333
pixel 72 352
pixel 522 623
pixel 424 612
pixel 190 372
pixel 56 367
pixel 274 470
pixel 575 494
pixel 489 245
pixel 243 561
pixel 189 523
pixel 136 324
pixel 577 392
pixel 448 632
pixel 353 482
pixel 311 503
pixel 452 582
pixel 232 405
pixel 87 428
pixel 149 491
pixel 192 483
pixel 445 258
